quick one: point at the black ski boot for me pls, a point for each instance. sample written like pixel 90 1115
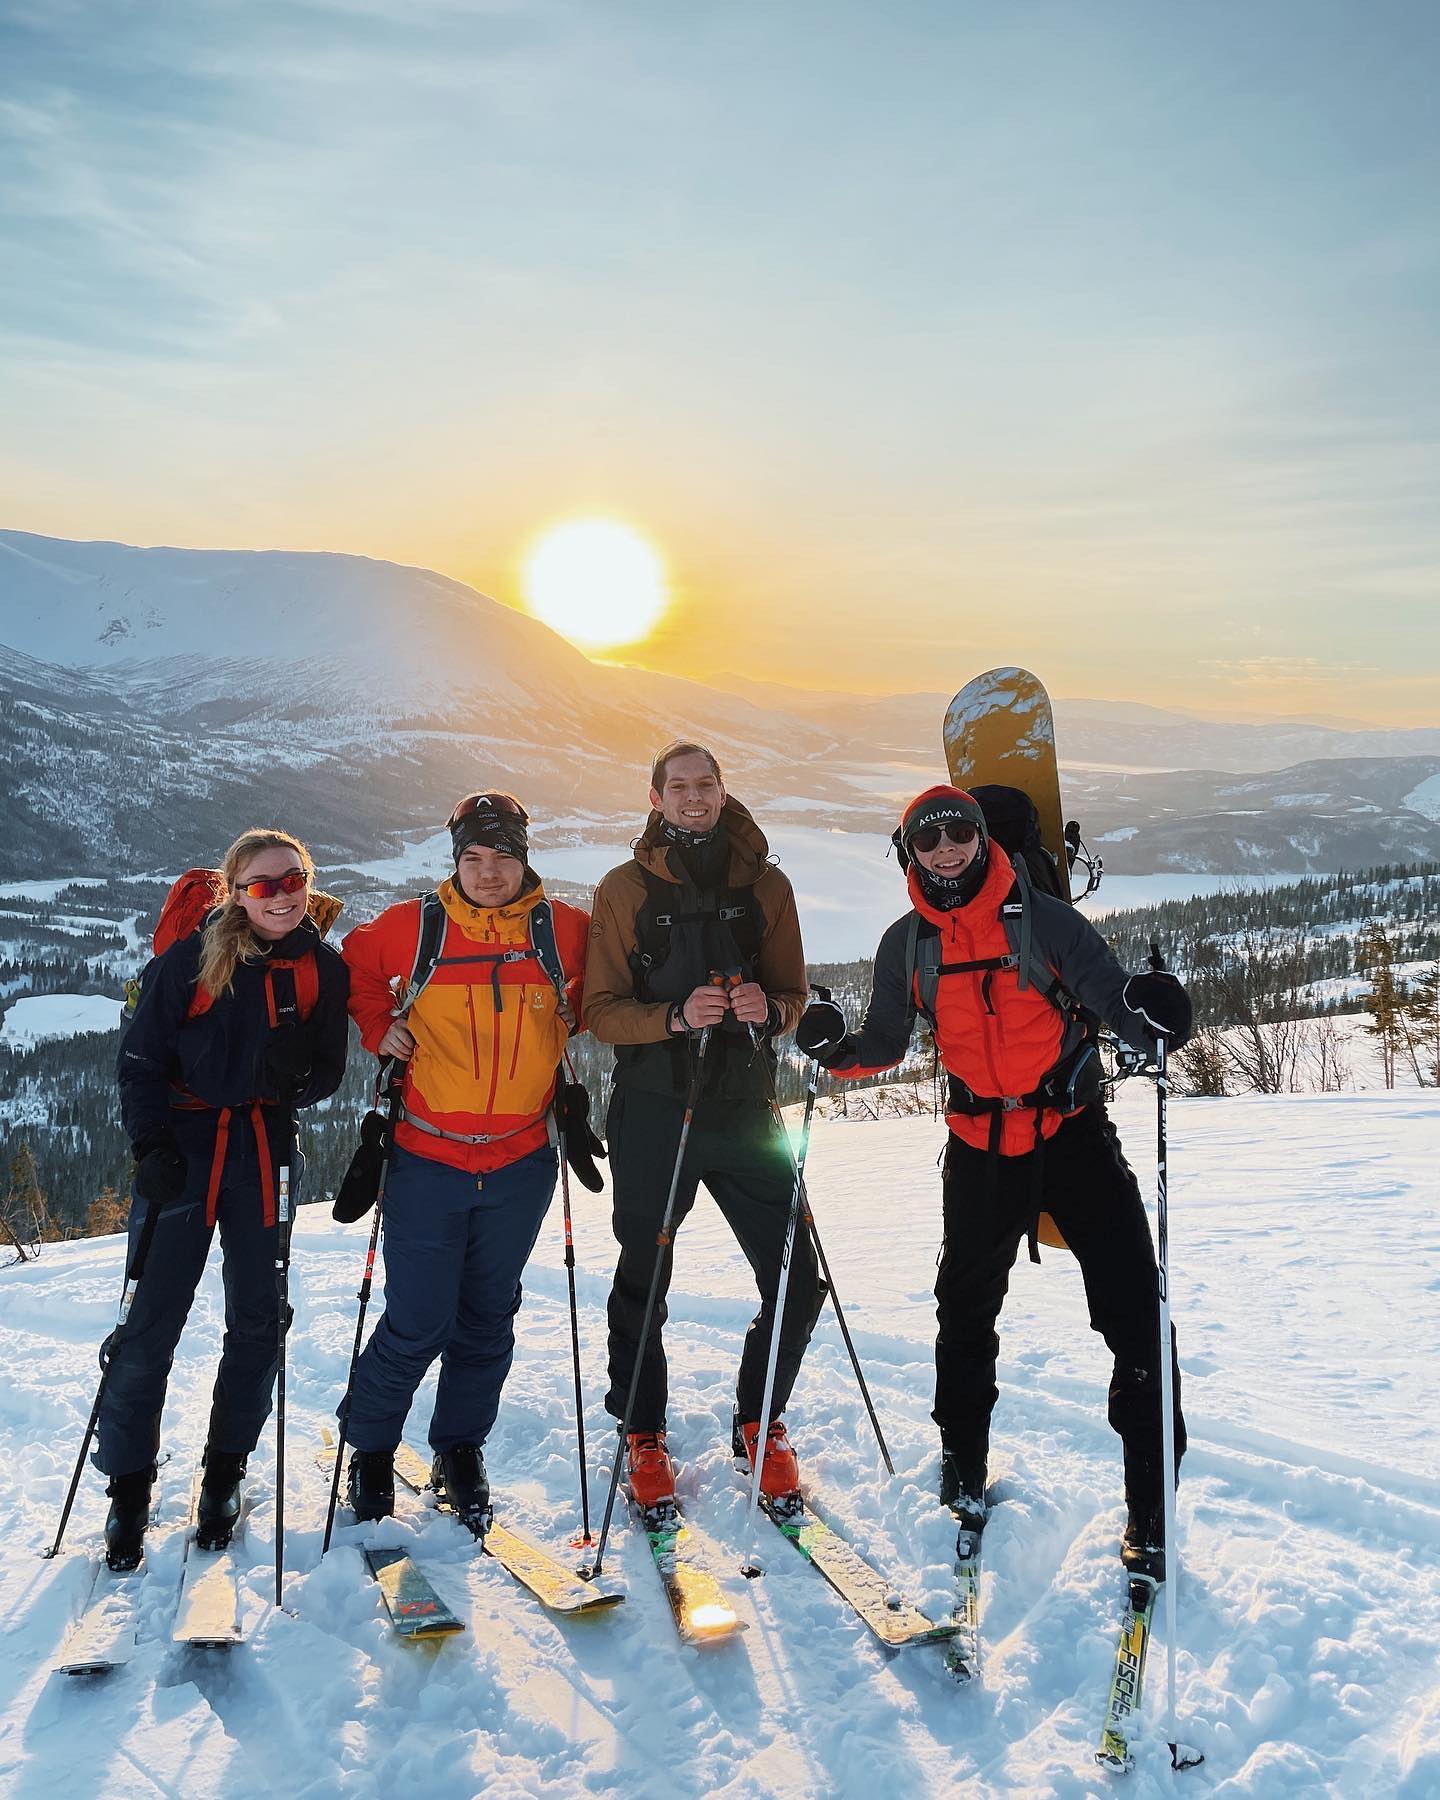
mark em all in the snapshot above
pixel 221 1497
pixel 129 1515
pixel 370 1484
pixel 962 1489
pixel 1142 1548
pixel 458 1476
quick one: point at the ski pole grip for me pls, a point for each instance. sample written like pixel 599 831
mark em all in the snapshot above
pixel 821 993
pixel 1157 961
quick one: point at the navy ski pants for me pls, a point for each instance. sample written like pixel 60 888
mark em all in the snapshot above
pixel 455 1246
pixel 1091 1193
pixel 129 1424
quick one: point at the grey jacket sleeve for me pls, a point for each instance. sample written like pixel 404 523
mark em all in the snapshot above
pixel 1071 945
pixel 883 1039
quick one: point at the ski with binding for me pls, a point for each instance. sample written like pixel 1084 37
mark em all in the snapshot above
pixel 1128 1679
pixel 698 1605
pixel 103 1635
pixel 858 1583
pixel 558 1588
pixel 962 1653
pixel 415 1608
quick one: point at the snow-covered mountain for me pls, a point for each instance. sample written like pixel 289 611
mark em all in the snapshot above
pixel 151 698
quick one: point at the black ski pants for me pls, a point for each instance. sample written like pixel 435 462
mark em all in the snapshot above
pixel 129 1424
pixel 1091 1193
pixel 735 1148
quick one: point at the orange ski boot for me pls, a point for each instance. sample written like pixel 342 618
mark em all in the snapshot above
pixel 649 1472
pixel 780 1476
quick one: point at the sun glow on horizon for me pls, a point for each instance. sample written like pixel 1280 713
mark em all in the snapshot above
pixel 597 582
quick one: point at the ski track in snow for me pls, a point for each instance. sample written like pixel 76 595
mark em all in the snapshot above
pixel 1306 1261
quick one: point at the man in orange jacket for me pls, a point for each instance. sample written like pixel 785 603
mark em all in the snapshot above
pixel 481 1030
pixel 1012 982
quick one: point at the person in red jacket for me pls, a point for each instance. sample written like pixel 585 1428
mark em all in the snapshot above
pixel 1006 975
pixel 473 1169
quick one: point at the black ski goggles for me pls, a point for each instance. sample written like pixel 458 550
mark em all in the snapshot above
pixel 266 887
pixel 958 831
pixel 497 806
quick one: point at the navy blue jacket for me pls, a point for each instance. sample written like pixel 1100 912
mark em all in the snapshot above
pixel 219 1057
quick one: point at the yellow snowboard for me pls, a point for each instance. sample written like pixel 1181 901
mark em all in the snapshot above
pixel 999 729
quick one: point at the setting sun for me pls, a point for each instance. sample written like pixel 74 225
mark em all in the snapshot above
pixel 596 582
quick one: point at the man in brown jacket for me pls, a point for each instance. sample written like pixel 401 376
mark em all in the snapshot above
pixel 698 896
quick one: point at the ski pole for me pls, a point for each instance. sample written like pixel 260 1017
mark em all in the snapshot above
pixel 591 1571
pixel 574 1329
pixel 108 1350
pixel 749 1567
pixel 367 1281
pixel 1167 1385
pixel 282 1298
pixel 829 1279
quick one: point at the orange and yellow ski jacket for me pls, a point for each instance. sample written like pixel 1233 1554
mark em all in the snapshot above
pixel 488 1033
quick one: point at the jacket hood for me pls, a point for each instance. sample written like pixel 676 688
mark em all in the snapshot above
pixel 488 921
pixel 749 850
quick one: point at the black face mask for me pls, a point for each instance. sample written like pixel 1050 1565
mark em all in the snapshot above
pixel 946 894
pixel 688 840
pixel 704 854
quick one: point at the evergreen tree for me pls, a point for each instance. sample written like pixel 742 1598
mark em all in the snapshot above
pixel 1422 1009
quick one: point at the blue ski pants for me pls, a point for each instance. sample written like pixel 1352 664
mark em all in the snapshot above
pixel 455 1246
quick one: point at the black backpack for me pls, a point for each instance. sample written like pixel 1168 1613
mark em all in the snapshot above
pixel 1014 824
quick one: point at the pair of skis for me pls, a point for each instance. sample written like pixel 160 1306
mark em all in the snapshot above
pixel 207 1613
pixel 703 1614
pixel 414 1606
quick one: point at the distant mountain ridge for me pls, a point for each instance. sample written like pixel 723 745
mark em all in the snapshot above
pixel 150 697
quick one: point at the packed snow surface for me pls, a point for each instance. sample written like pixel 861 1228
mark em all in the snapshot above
pixel 1305 1248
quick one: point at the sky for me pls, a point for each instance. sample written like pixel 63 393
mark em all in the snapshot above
pixel 1100 338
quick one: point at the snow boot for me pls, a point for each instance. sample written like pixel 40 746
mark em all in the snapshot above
pixel 221 1498
pixel 649 1472
pixel 1142 1548
pixel 458 1476
pixel 370 1484
pixel 962 1489
pixel 129 1516
pixel 780 1476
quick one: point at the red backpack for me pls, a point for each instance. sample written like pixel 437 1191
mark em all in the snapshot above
pixel 190 902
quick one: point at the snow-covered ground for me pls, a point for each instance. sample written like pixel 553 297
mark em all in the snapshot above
pixel 1306 1255
pixel 40 1016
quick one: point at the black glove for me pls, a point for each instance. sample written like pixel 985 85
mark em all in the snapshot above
pixel 1163 1004
pixel 821 1031
pixel 289 1058
pixel 159 1169
pixel 577 1137
pixel 361 1186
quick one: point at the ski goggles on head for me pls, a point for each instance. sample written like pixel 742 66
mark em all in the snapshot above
pixel 959 831
pixel 266 887
pixel 497 806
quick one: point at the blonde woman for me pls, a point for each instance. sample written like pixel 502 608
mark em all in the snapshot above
pixel 238 1023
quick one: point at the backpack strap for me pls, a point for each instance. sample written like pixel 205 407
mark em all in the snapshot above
pixel 430 942
pixel 922 968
